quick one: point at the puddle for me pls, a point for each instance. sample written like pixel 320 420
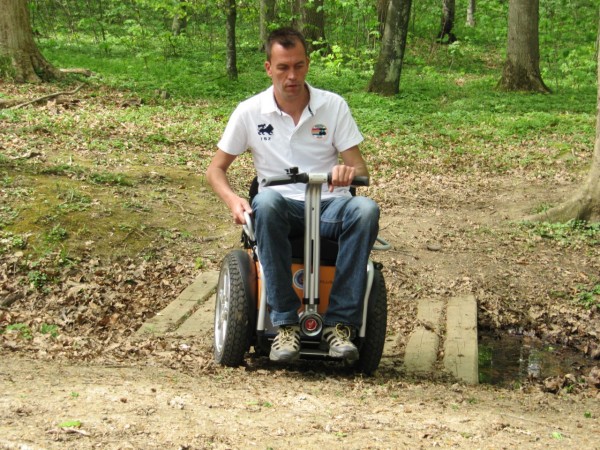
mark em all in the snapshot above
pixel 509 360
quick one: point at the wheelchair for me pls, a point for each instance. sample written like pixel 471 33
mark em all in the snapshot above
pixel 242 322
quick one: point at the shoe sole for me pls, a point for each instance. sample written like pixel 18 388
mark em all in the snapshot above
pixel 290 358
pixel 350 356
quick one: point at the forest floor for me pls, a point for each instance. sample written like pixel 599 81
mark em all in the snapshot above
pixel 74 375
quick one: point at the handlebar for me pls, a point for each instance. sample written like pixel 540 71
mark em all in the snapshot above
pixel 309 178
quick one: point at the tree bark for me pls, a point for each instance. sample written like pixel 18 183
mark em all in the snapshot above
pixel 386 77
pixel 585 203
pixel 522 67
pixel 267 17
pixel 471 6
pixel 231 13
pixel 180 18
pixel 447 24
pixel 27 64
pixel 382 8
pixel 311 22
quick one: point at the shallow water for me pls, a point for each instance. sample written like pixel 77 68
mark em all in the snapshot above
pixel 509 360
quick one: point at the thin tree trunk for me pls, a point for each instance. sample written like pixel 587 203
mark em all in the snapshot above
pixel 471 13
pixel 231 13
pixel 386 77
pixel 267 17
pixel 297 6
pixel 27 64
pixel 522 67
pixel 447 24
pixel 180 19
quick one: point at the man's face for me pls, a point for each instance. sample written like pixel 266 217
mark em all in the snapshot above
pixel 288 68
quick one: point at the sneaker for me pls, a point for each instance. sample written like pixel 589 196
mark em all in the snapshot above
pixel 339 340
pixel 286 345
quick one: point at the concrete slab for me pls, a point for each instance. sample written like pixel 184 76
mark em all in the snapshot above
pixel 421 351
pixel 176 312
pixel 424 342
pixel 429 312
pixel 202 321
pixel 461 357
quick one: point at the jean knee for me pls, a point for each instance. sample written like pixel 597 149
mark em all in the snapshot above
pixel 367 209
pixel 268 201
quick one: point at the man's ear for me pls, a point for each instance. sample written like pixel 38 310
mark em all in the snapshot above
pixel 268 67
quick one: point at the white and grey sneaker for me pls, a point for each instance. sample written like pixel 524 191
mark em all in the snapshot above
pixel 286 345
pixel 339 340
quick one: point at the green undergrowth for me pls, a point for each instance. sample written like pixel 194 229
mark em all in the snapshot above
pixel 122 169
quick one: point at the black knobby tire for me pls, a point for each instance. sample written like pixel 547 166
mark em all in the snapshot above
pixel 235 308
pixel 371 346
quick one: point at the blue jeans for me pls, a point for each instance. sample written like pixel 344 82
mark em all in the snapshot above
pixel 352 221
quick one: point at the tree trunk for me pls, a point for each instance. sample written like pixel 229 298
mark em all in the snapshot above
pixel 471 13
pixel 267 17
pixel 297 6
pixel 448 13
pixel 180 18
pixel 312 24
pixel 522 67
pixel 386 77
pixel 382 8
pixel 27 64
pixel 585 204
pixel 231 13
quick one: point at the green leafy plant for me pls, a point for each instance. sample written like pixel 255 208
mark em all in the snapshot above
pixel 56 234
pixel 38 279
pixel 52 330
pixel 589 297
pixel 70 424
pixel 9 241
pixel 22 329
pixel 568 233
pixel 113 179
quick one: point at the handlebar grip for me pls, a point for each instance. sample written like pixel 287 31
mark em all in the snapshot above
pixel 360 181
pixel 285 179
pixel 276 181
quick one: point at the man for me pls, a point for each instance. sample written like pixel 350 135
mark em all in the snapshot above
pixel 292 124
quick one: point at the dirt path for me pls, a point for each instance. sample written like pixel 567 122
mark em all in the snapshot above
pixel 168 394
pixel 140 407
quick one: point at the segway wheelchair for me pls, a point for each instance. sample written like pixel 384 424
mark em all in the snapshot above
pixel 241 313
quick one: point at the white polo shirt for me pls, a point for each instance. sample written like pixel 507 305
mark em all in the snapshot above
pixel 325 129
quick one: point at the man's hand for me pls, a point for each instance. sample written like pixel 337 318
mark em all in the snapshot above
pixel 238 206
pixel 341 175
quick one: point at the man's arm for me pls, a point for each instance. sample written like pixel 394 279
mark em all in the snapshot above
pixel 216 175
pixel 354 166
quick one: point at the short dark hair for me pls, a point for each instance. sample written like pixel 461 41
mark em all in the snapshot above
pixel 287 37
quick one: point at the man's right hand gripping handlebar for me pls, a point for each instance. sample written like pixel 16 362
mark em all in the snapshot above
pixel 239 207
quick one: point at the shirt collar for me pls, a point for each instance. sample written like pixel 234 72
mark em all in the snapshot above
pixel 269 105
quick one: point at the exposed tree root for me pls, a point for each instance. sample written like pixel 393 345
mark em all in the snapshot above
pixel 9 103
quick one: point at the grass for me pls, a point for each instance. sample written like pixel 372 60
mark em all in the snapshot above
pixel 572 232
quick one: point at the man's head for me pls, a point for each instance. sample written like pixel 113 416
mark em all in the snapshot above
pixel 287 64
pixel 286 37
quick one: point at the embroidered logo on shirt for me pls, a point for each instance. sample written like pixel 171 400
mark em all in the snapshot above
pixel 264 129
pixel 319 131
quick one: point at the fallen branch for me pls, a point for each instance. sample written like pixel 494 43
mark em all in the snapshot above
pixel 86 72
pixel 46 97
